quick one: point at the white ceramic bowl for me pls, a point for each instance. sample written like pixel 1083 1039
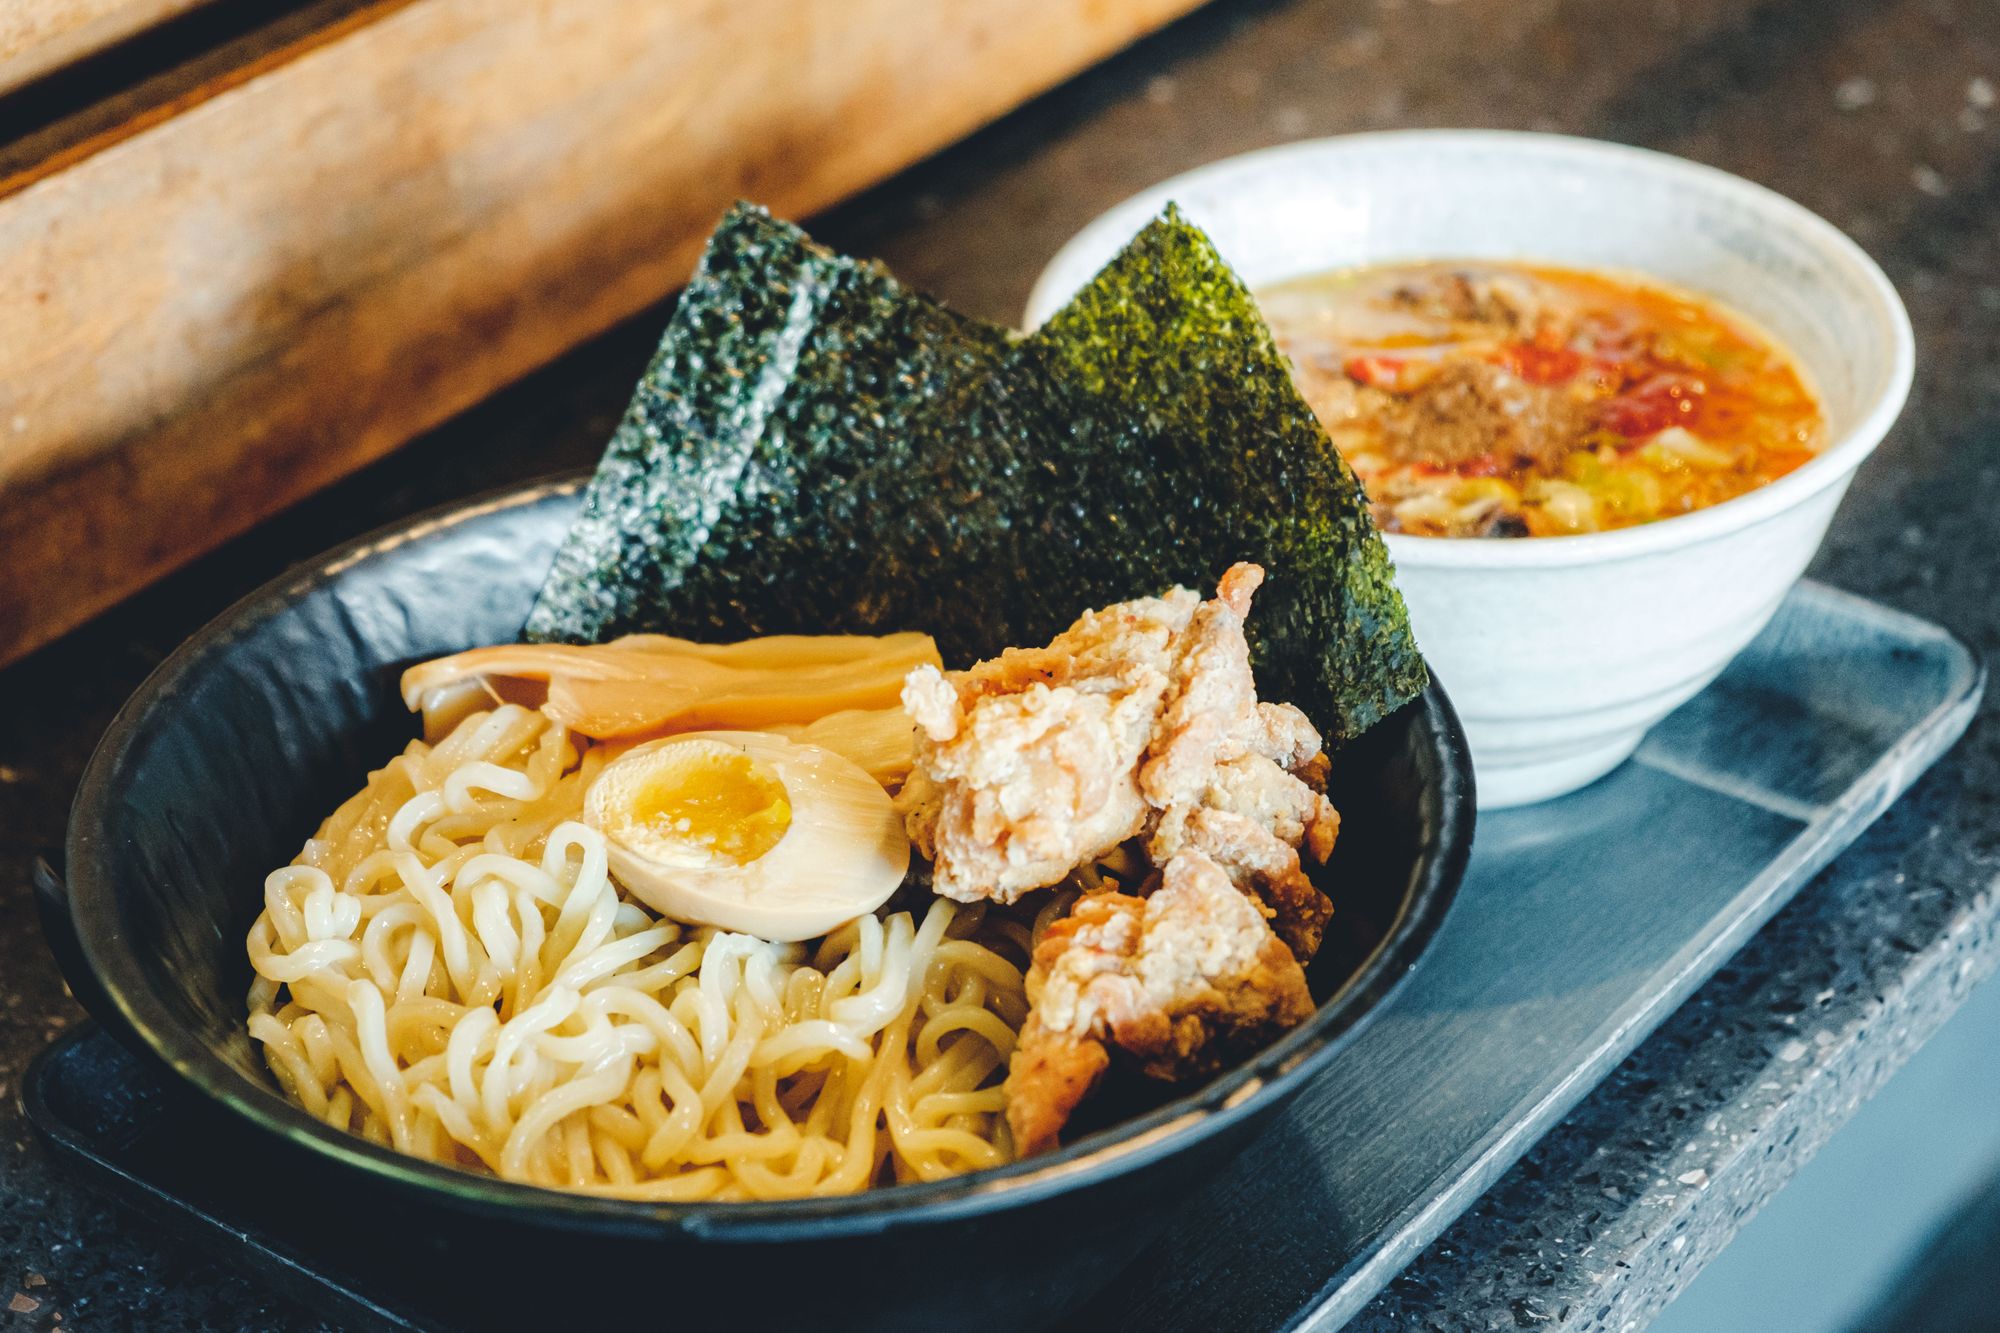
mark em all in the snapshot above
pixel 1560 652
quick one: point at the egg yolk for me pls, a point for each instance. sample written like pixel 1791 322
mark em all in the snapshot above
pixel 715 800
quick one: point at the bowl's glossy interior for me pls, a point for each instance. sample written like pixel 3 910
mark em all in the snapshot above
pixel 227 758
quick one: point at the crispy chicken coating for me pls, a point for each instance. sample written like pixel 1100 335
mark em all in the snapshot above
pixel 1138 725
pixel 1179 981
pixel 1028 764
pixel 1282 734
pixel 1251 819
pixel 1210 711
pixel 1131 722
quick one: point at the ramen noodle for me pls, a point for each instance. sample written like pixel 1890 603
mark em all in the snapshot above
pixel 448 969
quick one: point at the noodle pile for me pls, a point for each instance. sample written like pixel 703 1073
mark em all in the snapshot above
pixel 448 969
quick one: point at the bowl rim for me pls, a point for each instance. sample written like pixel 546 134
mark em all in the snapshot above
pixel 142 1019
pixel 1834 463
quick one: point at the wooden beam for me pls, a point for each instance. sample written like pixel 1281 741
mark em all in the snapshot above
pixel 38 37
pixel 292 269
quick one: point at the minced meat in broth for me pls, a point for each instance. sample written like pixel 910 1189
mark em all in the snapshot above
pixel 1497 400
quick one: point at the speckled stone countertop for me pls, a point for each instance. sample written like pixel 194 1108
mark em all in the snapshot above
pixel 1885 117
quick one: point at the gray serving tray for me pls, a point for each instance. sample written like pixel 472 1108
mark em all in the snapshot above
pixel 1582 924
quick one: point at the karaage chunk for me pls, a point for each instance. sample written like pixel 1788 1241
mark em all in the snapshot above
pixel 1137 717
pixel 1027 765
pixel 1180 981
pixel 1137 737
pixel 1252 819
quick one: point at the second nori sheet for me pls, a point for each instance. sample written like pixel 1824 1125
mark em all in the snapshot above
pixel 816 448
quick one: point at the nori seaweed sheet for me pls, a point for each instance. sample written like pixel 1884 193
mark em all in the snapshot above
pixel 1188 433
pixel 753 484
pixel 817 449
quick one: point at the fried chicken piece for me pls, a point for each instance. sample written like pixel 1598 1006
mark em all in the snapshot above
pixel 1218 771
pixel 1027 765
pixel 1210 710
pixel 1282 804
pixel 1026 788
pixel 1282 734
pixel 1252 819
pixel 1042 759
pixel 1048 1077
pixel 1139 722
pixel 1179 981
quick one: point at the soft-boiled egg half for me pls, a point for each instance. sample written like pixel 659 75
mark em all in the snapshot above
pixel 750 832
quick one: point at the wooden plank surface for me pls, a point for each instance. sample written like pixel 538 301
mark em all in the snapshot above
pixel 291 270
pixel 38 37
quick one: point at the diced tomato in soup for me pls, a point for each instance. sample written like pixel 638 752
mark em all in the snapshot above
pixel 1494 400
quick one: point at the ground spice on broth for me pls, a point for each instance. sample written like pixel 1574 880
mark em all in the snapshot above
pixel 1516 400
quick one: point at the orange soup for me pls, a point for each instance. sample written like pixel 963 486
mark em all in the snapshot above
pixel 1514 400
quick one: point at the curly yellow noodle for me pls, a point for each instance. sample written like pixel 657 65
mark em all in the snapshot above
pixel 448 969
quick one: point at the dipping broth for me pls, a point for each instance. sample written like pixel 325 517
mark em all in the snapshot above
pixel 1514 400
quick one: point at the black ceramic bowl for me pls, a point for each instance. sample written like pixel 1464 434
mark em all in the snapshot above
pixel 226 759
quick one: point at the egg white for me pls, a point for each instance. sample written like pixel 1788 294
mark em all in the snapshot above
pixel 842 856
